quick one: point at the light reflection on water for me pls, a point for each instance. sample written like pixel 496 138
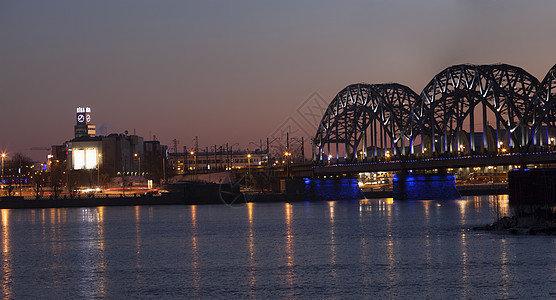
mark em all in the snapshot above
pixel 290 271
pixel 390 254
pixel 138 247
pixel 252 261
pixel 333 263
pixel 353 249
pixel 195 252
pixel 92 281
pixel 504 261
pixel 6 256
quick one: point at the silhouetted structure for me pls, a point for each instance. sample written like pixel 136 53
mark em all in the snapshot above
pixel 382 121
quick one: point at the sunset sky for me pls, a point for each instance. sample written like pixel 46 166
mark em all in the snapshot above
pixel 236 71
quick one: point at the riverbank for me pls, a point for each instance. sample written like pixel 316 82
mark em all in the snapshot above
pixel 173 199
pixel 527 225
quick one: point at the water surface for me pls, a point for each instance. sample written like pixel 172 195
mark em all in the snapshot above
pixel 337 249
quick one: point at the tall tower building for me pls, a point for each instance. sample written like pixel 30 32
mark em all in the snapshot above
pixel 83 125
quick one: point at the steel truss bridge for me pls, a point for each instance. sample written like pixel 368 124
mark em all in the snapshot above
pixel 494 113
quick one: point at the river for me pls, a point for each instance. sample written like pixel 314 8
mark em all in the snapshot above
pixel 331 249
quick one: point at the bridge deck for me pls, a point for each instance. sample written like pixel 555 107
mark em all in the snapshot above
pixel 427 164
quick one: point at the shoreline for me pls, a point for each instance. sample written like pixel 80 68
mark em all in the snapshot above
pixel 521 225
pixel 18 202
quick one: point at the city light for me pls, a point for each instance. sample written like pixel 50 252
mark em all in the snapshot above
pixel 91 159
pixel 78 159
pixel 84 159
pixel 139 158
pixel 98 169
pixel 3 157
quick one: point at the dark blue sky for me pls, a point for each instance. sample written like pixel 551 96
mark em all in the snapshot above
pixel 236 71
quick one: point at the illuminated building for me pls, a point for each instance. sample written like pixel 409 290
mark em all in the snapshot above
pixel 88 157
pixel 83 153
pixel 114 154
pixel 83 126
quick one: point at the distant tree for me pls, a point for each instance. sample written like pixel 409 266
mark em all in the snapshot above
pixel 73 183
pixel 19 167
pixel 125 183
pixel 104 179
pixel 17 170
pixel 39 182
pixel 56 178
pixel 10 187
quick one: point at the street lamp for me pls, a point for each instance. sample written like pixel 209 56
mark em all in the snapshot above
pixel 3 156
pixel 194 154
pixel 139 157
pixel 249 163
pixel 98 169
pixel 287 154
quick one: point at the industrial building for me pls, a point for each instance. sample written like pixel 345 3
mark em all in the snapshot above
pixel 205 161
pixel 114 154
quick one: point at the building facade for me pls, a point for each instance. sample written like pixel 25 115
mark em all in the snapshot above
pixel 187 162
pixel 84 126
pixel 115 154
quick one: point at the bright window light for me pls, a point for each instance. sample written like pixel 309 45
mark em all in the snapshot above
pixel 91 159
pixel 78 159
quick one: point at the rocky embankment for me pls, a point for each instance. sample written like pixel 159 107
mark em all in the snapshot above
pixel 529 225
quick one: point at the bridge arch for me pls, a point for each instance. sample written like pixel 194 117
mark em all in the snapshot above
pixel 543 110
pixel 455 99
pixel 365 120
pixel 463 109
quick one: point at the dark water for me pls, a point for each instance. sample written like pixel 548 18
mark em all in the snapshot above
pixel 369 249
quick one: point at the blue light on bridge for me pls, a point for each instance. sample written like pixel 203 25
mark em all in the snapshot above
pixel 425 187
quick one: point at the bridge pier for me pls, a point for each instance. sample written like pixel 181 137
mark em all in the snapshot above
pixel 532 187
pixel 424 187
